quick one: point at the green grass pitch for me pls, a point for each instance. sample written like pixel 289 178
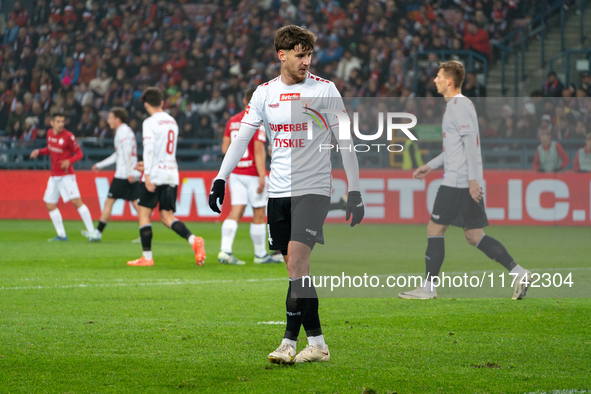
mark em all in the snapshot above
pixel 74 318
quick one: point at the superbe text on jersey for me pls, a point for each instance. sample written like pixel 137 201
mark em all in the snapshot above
pixel 289 127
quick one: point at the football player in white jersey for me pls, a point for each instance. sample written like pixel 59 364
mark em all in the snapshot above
pixel 248 185
pixel 459 200
pixel 161 178
pixel 125 183
pixel 299 181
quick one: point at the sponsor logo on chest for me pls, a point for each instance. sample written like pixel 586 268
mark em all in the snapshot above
pixel 289 127
pixel 289 96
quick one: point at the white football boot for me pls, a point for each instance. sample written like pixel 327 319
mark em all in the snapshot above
pixel 520 289
pixel 92 236
pixel 268 259
pixel 229 258
pixel 284 354
pixel 312 353
pixel 420 293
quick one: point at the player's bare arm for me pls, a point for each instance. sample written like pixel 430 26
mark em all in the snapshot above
pixel 259 161
pixel 149 185
pixel 225 144
pixel 148 157
pixel 475 190
pixel 421 172
pixel 34 154
pixel 139 166
pixel 425 169
pixel 65 164
pixel 470 145
pixel 236 150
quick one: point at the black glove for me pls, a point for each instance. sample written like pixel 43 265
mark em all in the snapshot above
pixel 355 206
pixel 218 190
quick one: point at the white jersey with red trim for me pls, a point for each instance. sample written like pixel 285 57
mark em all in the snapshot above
pixel 298 166
pixel 459 119
pixel 160 135
pixel 125 156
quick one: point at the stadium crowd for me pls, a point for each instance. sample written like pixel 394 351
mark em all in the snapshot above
pixel 83 57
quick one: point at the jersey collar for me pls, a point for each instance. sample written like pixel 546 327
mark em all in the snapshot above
pixel 297 85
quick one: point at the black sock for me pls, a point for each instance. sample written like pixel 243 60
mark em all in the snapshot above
pixel 496 251
pixel 146 236
pixel 179 227
pixel 101 226
pixel 434 256
pixel 296 305
pixel 311 321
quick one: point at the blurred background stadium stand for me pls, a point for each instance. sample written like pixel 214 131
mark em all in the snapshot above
pixel 83 57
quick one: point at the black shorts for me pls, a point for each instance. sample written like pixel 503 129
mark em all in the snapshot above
pixel 164 196
pixel 123 189
pixel 296 219
pixel 455 206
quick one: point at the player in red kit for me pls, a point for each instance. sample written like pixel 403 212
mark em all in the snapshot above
pixel 63 151
pixel 247 186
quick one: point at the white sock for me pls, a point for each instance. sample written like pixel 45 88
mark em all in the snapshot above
pixel 229 228
pixel 291 343
pixel 317 342
pixel 147 255
pixel 86 218
pixel 517 270
pixel 191 239
pixel 427 287
pixel 258 233
pixel 58 223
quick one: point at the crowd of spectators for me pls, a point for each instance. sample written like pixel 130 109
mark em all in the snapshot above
pixel 82 57
pixel 553 115
pixel 565 112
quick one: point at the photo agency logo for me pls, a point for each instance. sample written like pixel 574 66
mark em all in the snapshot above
pixel 391 119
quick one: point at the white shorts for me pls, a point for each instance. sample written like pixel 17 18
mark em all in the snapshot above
pixel 64 186
pixel 243 189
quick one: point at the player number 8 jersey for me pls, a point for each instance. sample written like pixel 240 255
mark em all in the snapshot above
pixel 160 136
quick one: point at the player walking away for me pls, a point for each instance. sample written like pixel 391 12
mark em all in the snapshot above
pixel 459 199
pixel 161 178
pixel 125 183
pixel 296 210
pixel 64 151
pixel 247 185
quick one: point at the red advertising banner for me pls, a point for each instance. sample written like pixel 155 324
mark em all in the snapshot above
pixel 391 196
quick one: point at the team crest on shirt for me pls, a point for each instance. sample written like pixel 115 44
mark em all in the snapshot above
pixel 61 141
pixel 316 116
